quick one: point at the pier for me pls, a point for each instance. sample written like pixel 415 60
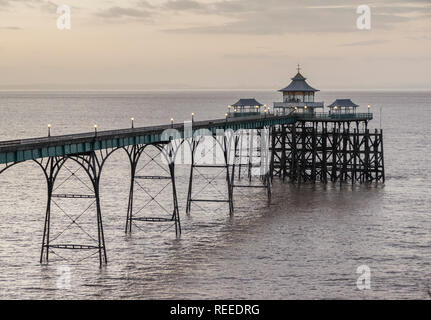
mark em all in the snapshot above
pixel 292 142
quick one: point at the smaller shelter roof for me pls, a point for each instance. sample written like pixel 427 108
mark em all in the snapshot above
pixel 343 103
pixel 247 103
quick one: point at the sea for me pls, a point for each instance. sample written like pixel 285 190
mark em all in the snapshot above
pixel 312 241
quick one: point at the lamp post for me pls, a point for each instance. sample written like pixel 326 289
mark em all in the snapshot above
pixel 369 109
pixel 172 122
pixel 193 117
pixel 95 130
pixel 133 122
pixel 226 115
pixel 49 130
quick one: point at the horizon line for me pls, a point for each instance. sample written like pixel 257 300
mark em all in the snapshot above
pixel 204 89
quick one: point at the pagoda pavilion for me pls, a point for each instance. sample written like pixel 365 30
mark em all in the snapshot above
pixel 298 96
pixel 246 107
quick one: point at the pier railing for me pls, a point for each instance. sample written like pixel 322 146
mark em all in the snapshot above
pixel 322 116
pixel 35 148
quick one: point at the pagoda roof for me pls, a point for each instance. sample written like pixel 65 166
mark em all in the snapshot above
pixel 299 83
pixel 343 103
pixel 247 103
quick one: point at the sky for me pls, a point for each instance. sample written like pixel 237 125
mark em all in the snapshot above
pixel 214 44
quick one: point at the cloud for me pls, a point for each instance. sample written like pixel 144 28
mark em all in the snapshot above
pixel 145 4
pixel 10 28
pixel 44 5
pixel 255 56
pixel 293 16
pixel 49 7
pixel 5 3
pixel 181 5
pixel 364 43
pixel 119 12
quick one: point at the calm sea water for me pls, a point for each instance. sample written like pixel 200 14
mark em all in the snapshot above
pixel 307 244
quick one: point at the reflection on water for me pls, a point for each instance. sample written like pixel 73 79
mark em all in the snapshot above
pixel 307 244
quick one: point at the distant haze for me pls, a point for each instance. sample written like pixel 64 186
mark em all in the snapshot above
pixel 214 44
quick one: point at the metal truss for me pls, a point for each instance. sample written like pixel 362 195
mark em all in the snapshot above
pixel 309 153
pixel 305 151
pixel 247 150
pixel 224 143
pixel 163 181
pixel 92 164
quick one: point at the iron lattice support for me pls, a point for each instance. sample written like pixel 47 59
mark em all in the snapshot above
pixel 317 152
pixel 92 164
pixel 224 142
pixel 255 149
pixel 168 153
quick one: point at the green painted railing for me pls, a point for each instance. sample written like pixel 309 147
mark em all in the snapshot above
pixel 243 114
pixel 334 116
pixel 30 149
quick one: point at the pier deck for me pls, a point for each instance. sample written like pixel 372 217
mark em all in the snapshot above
pixel 297 146
pixel 35 148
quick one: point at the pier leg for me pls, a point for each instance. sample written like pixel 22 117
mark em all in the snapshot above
pixel 50 169
pixel 170 157
pixel 92 165
pixel 376 156
pixel 324 169
pixel 343 175
pixel 273 151
pixel 334 155
pixel 224 144
pixel 226 147
pixel 135 154
pixel 193 145
pixel 294 174
pixel 314 154
pixel 355 155
pixel 265 152
pixel 235 150
pixel 367 155
pixel 283 152
pixel 382 156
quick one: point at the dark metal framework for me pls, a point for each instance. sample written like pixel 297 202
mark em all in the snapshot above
pixel 92 164
pixel 224 142
pixel 304 153
pixel 7 166
pixel 169 154
pixel 255 149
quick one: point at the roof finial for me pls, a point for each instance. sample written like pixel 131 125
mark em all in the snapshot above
pixel 299 68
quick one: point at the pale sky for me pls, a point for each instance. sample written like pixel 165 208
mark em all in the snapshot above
pixel 247 44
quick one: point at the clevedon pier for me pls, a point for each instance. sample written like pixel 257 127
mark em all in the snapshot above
pixel 295 141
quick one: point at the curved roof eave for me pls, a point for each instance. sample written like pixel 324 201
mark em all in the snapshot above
pixel 287 89
pixel 247 103
pixel 343 103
